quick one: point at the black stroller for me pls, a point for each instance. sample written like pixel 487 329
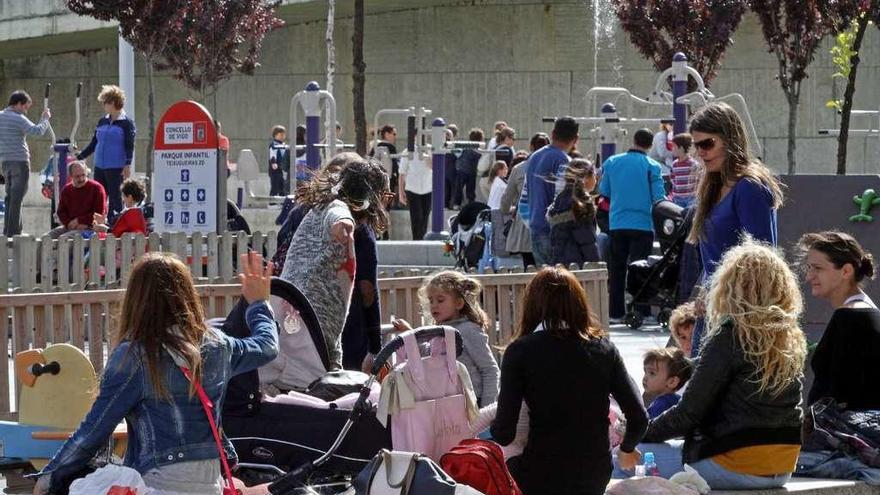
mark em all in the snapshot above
pixel 297 481
pixel 654 281
pixel 271 438
pixel 469 233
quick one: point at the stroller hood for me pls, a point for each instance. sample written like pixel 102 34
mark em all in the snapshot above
pixel 243 393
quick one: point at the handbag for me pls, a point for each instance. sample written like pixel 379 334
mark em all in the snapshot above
pixel 403 473
pixel 229 486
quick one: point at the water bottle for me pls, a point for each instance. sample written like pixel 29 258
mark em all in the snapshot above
pixel 650 465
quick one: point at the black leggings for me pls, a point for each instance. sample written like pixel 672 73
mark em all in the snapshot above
pixel 419 213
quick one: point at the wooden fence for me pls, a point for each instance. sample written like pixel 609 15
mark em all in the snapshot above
pixel 87 319
pixel 72 263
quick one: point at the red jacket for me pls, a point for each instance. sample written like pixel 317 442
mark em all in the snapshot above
pixel 82 203
pixel 132 220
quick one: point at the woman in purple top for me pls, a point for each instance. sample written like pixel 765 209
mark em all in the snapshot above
pixel 737 194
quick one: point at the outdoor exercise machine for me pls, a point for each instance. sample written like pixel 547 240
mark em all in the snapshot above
pixel 678 99
pixel 63 148
pixel 871 130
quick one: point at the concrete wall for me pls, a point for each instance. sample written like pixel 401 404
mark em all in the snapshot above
pixel 472 62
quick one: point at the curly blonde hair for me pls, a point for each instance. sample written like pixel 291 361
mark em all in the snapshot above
pixel 113 95
pixel 458 285
pixel 755 288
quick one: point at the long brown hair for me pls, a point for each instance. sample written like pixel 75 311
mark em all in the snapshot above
pixel 722 120
pixel 582 204
pixel 360 183
pixel 162 309
pixel 555 298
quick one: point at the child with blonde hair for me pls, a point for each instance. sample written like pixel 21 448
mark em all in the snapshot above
pixel 452 298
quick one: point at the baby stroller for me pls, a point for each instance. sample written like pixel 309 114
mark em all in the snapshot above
pixel 295 481
pixel 271 437
pixel 654 281
pixel 471 231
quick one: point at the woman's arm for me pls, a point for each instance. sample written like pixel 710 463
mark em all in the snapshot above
pixel 754 209
pixel 120 390
pixel 510 397
pixel 625 392
pixel 85 153
pixel 261 346
pixel 713 372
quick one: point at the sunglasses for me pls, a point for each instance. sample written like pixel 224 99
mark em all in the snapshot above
pixel 705 144
pixel 387 197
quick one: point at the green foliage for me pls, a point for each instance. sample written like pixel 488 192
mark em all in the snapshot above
pixel 842 55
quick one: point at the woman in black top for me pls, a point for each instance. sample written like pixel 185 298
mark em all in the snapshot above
pixel 564 368
pixel 845 361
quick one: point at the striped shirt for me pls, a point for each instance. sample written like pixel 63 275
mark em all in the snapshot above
pixel 13 128
pixel 684 178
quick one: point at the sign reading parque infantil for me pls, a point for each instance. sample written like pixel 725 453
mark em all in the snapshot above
pixel 186 178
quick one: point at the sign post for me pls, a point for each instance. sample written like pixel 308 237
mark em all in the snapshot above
pixel 189 192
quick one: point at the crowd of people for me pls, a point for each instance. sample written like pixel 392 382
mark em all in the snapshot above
pixel 108 202
pixel 726 397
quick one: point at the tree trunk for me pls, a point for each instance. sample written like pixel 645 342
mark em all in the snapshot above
pixel 846 108
pixel 793 98
pixel 151 105
pixel 359 79
pixel 331 61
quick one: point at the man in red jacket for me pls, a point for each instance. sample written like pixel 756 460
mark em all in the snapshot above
pixel 81 198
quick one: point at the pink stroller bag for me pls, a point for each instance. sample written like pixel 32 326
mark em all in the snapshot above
pixel 439 420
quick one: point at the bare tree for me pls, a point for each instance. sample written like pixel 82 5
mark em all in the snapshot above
pixel 793 30
pixel 359 79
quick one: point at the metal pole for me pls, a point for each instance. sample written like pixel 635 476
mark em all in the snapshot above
pixel 438 166
pixel 126 82
pixel 679 88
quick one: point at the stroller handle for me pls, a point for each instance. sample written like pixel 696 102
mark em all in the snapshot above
pixel 422 334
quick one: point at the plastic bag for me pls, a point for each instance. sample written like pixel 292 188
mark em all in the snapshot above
pixel 110 480
pixel 651 485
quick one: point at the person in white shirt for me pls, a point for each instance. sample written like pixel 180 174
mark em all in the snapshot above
pixel 662 151
pixel 498 181
pixel 414 186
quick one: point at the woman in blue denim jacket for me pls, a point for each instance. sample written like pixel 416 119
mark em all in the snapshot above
pixel 162 327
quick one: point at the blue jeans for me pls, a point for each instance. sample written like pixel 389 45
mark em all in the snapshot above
pixel 668 458
pixel 17 174
pixel 541 248
pixel 835 465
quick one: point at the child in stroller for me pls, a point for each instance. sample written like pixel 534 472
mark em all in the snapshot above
pixel 655 281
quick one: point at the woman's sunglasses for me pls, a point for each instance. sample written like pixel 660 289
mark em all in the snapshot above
pixel 387 198
pixel 705 144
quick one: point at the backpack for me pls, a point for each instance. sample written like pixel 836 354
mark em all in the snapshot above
pixel 480 464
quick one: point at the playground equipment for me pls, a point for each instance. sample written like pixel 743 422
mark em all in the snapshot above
pixel 62 147
pixel 415 133
pixel 869 131
pixel 58 386
pixel 608 129
pixel 678 99
pixel 313 100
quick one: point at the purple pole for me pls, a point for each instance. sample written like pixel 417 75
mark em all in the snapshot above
pixel 679 88
pixel 438 167
pixel 312 110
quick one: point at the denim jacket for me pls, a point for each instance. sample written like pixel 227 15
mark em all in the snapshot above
pixel 162 432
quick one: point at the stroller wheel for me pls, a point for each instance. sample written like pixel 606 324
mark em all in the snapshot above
pixel 663 317
pixel 633 320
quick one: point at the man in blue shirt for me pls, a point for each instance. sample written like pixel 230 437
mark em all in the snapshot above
pixel 633 183
pixel 544 166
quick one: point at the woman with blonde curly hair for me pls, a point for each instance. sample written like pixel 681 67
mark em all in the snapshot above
pixel 740 414
pixel 452 298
